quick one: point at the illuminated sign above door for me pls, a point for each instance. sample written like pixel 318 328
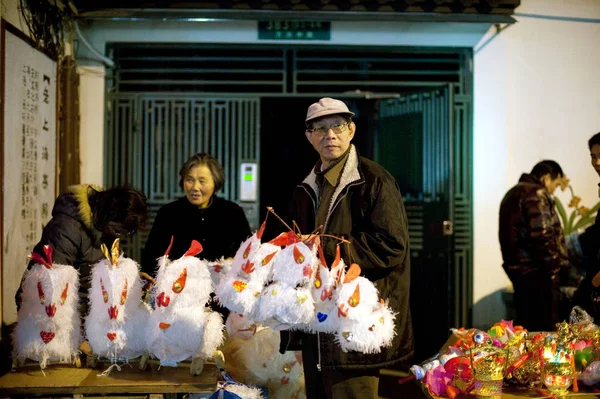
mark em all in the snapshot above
pixel 294 30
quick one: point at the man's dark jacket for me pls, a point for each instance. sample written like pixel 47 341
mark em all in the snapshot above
pixel 531 236
pixel 367 209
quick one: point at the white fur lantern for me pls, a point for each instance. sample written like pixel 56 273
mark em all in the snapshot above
pixel 114 325
pixel 325 293
pixel 249 272
pixel 366 324
pixel 48 323
pixel 181 327
pixel 288 302
pixel 218 269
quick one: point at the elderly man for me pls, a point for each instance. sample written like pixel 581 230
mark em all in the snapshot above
pixel 355 198
pixel 533 246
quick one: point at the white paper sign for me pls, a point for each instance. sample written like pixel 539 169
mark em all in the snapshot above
pixel 29 145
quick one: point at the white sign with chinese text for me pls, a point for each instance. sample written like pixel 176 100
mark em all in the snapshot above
pixel 29 133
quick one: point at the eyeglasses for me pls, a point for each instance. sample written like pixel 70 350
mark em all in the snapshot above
pixel 338 128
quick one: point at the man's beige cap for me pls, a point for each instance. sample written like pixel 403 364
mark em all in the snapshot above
pixel 327 106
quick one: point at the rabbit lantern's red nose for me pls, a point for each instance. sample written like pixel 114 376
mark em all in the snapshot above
pixel 113 312
pixel 162 300
pixel 51 310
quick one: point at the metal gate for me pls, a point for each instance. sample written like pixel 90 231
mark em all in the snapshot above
pixel 416 142
pixel 149 138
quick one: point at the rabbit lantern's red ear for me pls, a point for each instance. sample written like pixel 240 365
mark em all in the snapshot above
pixel 321 255
pixel 37 258
pixel 352 274
pixel 336 261
pixel 260 231
pixel 195 249
pixel 48 252
pixel 170 245
pixel 314 240
pixel 284 239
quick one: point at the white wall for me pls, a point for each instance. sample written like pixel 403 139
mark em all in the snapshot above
pixel 91 109
pixel 537 96
pixel 9 11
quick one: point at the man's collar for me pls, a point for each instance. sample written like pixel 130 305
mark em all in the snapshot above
pixel 334 170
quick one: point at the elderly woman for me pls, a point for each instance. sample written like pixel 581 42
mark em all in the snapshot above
pixel 219 225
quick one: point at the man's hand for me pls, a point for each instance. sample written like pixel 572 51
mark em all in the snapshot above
pixel 596 280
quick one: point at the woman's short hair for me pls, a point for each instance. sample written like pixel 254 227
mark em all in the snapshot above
pixel 202 158
pixel 118 211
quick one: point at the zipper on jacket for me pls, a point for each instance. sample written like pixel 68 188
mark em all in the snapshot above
pixel 319 351
pixel 337 202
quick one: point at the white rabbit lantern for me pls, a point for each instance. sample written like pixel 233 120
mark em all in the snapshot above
pixel 366 323
pixel 219 269
pixel 181 327
pixel 114 325
pixel 48 322
pixel 250 270
pixel 287 302
pixel 325 293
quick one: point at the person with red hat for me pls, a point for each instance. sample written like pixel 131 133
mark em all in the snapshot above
pixel 357 199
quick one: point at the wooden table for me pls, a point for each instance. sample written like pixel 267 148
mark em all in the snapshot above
pixel 81 382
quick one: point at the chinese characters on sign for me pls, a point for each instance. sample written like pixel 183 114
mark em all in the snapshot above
pixel 294 30
pixel 35 109
pixel 29 158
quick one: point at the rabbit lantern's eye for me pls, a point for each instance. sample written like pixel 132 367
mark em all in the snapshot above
pixel 40 292
pixel 63 295
pixel 288 367
pixel 298 257
pixel 247 251
pixel 318 278
pixel 354 300
pixel 124 294
pixel 179 284
pixel 268 258
pixel 104 293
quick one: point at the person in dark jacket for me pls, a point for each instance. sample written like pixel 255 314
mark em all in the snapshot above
pixel 533 246
pixel 219 225
pixel 588 293
pixel 82 219
pixel 357 199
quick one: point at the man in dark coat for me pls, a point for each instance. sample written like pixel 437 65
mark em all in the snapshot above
pixel 357 199
pixel 588 293
pixel 533 246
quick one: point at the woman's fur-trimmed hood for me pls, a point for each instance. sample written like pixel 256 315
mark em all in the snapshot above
pixel 81 193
